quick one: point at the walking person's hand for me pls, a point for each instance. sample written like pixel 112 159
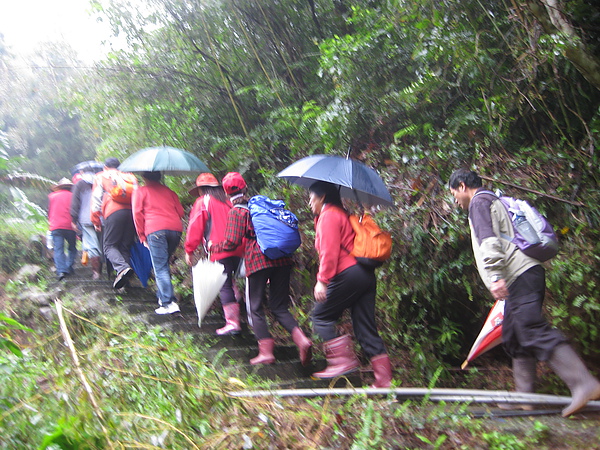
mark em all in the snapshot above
pixel 320 291
pixel 189 259
pixel 499 289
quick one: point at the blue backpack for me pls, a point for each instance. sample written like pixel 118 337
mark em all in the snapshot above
pixel 276 227
pixel 534 235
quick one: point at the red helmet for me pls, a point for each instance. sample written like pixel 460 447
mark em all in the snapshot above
pixel 204 179
pixel 207 179
pixel 233 183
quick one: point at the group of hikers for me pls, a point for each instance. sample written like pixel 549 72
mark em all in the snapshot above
pixel 220 224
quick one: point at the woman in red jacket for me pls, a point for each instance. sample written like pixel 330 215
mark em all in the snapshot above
pixel 343 283
pixel 157 214
pixel 261 272
pixel 208 220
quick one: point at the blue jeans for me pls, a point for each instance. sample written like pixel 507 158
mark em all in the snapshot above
pixel 64 262
pixel 162 244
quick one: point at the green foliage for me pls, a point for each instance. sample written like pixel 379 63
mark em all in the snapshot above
pixel 6 343
pixel 18 245
pixel 500 440
pixel 413 89
pixel 370 435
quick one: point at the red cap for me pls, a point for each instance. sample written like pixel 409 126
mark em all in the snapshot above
pixel 233 183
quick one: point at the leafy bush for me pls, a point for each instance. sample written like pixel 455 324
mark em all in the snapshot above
pixel 19 245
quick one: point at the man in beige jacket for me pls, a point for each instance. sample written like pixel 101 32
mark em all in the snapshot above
pixel 511 275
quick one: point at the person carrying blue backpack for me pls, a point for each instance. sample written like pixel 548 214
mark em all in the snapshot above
pixel 260 272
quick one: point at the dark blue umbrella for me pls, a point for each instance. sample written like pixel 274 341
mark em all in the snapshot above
pixel 356 180
pixel 87 166
pixel 141 262
pixel 163 159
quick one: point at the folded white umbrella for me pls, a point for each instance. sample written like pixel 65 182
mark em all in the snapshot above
pixel 208 278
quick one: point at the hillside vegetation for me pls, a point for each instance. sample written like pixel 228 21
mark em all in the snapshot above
pixel 413 89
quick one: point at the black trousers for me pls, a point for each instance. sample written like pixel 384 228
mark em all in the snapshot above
pixel 525 332
pixel 118 234
pixel 278 300
pixel 227 294
pixel 354 288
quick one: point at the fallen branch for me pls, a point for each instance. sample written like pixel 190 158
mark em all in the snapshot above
pixel 533 191
pixel 69 342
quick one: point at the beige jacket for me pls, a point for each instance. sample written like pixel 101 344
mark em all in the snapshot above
pixel 488 219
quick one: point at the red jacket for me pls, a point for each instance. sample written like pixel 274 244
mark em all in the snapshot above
pixel 155 207
pixel 210 213
pixel 334 240
pixel 59 210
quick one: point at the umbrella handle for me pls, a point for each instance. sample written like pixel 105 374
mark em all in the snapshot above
pixel 360 206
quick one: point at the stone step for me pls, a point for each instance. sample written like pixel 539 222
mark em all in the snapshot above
pixel 230 352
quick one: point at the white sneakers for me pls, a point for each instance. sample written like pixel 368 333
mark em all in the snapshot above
pixel 169 309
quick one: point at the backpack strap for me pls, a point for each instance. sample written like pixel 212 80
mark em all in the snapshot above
pixel 486 191
pixel 208 226
pixel 248 235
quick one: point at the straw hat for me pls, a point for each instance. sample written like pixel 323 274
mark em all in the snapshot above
pixel 204 179
pixel 63 183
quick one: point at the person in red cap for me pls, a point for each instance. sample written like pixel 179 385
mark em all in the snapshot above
pixel 260 271
pixel 208 221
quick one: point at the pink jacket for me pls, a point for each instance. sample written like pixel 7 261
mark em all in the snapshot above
pixel 208 222
pixel 59 210
pixel 155 207
pixel 334 240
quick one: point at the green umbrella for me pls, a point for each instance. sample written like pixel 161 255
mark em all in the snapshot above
pixel 163 159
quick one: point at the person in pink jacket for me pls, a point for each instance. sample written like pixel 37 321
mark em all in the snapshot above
pixel 157 214
pixel 208 221
pixel 343 284
pixel 61 228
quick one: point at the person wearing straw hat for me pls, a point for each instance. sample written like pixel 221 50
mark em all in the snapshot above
pixel 59 221
pixel 208 221
pixel 261 272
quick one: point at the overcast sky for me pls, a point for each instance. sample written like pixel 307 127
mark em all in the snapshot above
pixel 26 23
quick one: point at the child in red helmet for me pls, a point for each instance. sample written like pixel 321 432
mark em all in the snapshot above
pixel 260 271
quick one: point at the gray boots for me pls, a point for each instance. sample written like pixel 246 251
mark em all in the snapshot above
pixel 569 367
pixel 524 373
pixel 583 385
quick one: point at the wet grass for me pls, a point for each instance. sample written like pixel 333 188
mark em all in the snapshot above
pixel 154 388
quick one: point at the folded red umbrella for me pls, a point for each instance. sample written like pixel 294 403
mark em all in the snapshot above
pixel 490 334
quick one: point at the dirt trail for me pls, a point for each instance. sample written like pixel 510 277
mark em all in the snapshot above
pixel 581 431
pixel 233 351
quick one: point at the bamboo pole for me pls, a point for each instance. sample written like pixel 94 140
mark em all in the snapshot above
pixel 533 191
pixel 86 385
pixel 435 394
